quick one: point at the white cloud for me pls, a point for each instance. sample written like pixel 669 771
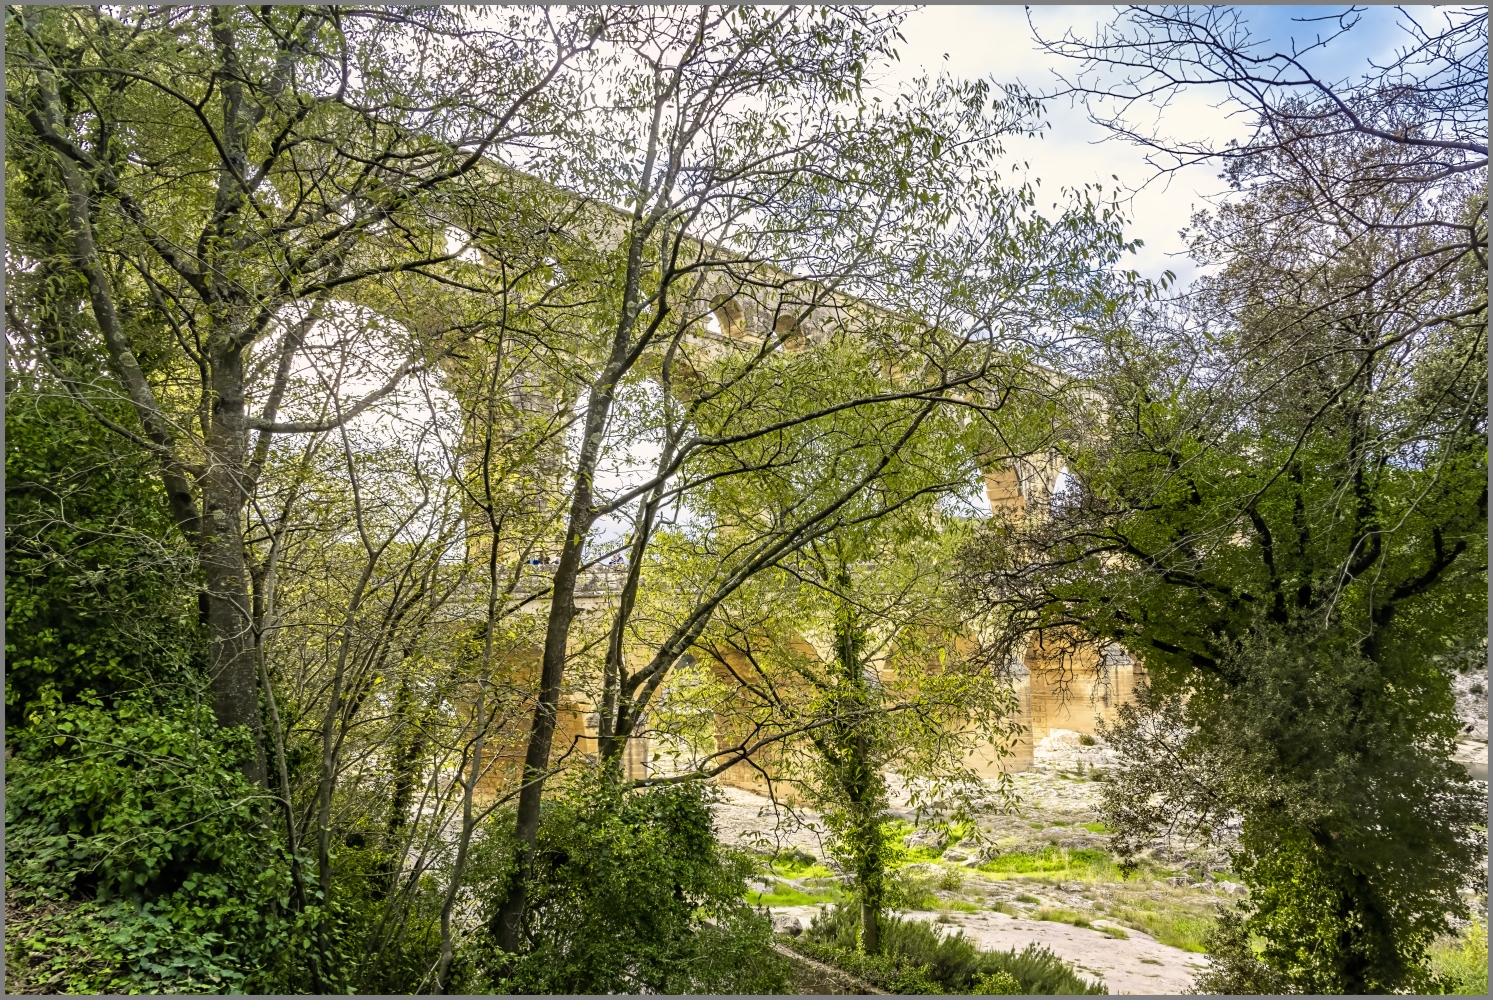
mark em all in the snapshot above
pixel 996 42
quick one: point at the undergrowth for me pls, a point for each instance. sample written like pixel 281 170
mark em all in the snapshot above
pixel 916 959
pixel 1460 964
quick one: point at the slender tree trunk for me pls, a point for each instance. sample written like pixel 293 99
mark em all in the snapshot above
pixel 509 920
pixel 468 825
pixel 870 874
pixel 562 600
pixel 541 737
pixel 616 719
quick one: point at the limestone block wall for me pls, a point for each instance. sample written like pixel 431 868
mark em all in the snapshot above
pixel 575 739
pixel 1076 688
pixel 1062 688
pixel 984 760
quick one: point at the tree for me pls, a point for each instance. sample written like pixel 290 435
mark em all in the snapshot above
pixel 849 666
pixel 1423 113
pixel 761 187
pixel 207 182
pixel 1280 508
pixel 845 661
pixel 1278 512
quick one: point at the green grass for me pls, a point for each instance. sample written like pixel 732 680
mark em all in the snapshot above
pixel 1025 898
pixel 917 856
pixel 1096 828
pixel 1084 864
pixel 1059 914
pixel 902 856
pixel 1177 926
pixel 1460 964
pixel 798 864
pixel 812 871
pixel 786 895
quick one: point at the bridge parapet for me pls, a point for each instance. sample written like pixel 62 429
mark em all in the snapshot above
pixel 593 587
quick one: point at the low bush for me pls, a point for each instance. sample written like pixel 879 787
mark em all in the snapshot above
pixel 630 893
pixel 917 959
pixel 912 888
pixel 995 984
pixel 1459 965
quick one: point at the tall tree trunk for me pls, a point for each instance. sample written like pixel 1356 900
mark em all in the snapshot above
pixel 542 731
pixel 510 917
pixel 233 669
pixel 582 516
pixel 217 531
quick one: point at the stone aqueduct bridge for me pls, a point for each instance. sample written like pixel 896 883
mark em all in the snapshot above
pixel 737 309
pixel 1055 690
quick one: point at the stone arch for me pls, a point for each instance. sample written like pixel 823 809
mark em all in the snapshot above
pixel 729 314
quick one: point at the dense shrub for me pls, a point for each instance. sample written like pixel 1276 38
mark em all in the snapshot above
pixel 137 856
pixel 137 860
pixel 917 959
pixel 99 585
pixel 631 893
pixel 1459 964
pixel 1234 968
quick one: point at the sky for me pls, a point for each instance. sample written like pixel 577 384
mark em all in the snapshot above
pixel 996 42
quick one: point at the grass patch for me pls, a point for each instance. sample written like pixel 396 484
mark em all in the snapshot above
pixel 1085 864
pixel 917 959
pixel 896 830
pixel 1027 898
pixel 798 864
pixel 1096 828
pixel 1062 915
pixel 960 906
pixel 1180 928
pixel 787 895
